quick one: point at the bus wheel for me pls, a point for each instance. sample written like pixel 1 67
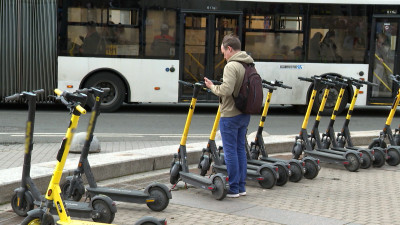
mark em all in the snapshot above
pixel 330 102
pixel 114 99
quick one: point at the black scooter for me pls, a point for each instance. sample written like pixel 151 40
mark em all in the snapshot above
pixel 370 157
pixel 155 195
pixel 350 159
pixel 25 196
pixel 217 183
pixel 393 150
pixel 266 174
pixel 101 208
pixel 308 166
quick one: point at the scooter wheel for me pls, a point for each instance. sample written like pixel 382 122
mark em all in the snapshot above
pixel 220 190
pixel 76 195
pixel 174 173
pixel 376 143
pixel 297 150
pixel 161 199
pixel 297 173
pixel 394 157
pixel 222 157
pixel 311 169
pixel 354 163
pixel 24 208
pixel 367 161
pixel 205 165
pixel 36 220
pixel 379 159
pixel 283 176
pixel 269 178
pixel 103 210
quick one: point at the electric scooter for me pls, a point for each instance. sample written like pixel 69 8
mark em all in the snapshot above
pixel 370 157
pixel 25 196
pixel 101 208
pixel 217 183
pixel 393 150
pixel 155 195
pixel 28 195
pixel 307 166
pixel 350 159
pixel 266 174
pixel 324 144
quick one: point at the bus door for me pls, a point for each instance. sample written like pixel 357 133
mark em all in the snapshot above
pixel 384 58
pixel 201 37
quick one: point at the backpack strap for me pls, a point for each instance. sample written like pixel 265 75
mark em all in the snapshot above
pixel 245 65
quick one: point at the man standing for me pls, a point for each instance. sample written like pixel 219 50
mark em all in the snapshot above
pixel 233 123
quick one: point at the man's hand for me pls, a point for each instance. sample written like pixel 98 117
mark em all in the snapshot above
pixel 208 83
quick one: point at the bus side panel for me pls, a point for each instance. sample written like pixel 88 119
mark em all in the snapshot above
pixel 149 80
pixel 289 73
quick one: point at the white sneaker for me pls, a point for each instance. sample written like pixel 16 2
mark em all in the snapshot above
pixel 243 193
pixel 232 195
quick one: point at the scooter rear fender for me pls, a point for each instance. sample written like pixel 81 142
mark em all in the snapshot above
pixel 107 199
pixel 27 194
pixel 162 186
pixel 223 178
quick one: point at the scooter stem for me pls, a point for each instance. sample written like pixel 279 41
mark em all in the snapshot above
pixel 309 108
pixel 393 110
pixel 215 126
pixel 338 101
pixel 353 103
pixel 265 110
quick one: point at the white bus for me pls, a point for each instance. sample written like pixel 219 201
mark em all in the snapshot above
pixel 140 49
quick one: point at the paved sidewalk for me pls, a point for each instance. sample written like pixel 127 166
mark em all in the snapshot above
pixel 336 196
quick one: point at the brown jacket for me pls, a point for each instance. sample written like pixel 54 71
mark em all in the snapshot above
pixel 232 81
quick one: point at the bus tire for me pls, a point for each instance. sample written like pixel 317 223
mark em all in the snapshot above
pixel 114 99
pixel 330 103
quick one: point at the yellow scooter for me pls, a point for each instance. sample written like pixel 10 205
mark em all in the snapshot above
pixel 101 208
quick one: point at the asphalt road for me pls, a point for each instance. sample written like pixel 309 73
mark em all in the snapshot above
pixel 165 122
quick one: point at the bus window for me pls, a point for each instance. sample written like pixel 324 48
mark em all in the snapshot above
pixel 273 46
pixel 90 32
pixel 337 39
pixel 160 33
pixel 122 32
pixel 279 39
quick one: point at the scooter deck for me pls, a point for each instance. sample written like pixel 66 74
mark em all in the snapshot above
pixel 324 156
pixel 195 179
pixel 332 151
pixel 250 173
pixel 123 195
pixel 76 209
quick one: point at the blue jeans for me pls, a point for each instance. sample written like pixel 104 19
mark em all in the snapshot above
pixel 233 133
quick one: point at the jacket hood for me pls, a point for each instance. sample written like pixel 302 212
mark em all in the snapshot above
pixel 241 56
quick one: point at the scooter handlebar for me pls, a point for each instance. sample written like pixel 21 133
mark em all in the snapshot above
pixel 58 92
pixel 13 97
pixel 71 99
pixel 306 79
pixel 186 83
pixel 40 91
pixel 17 96
pixel 84 90
pixel 92 89
pixel 395 78
pixel 276 83
pixel 269 87
pixel 361 82
pixel 80 109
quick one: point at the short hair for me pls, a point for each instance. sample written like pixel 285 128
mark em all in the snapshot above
pixel 233 41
